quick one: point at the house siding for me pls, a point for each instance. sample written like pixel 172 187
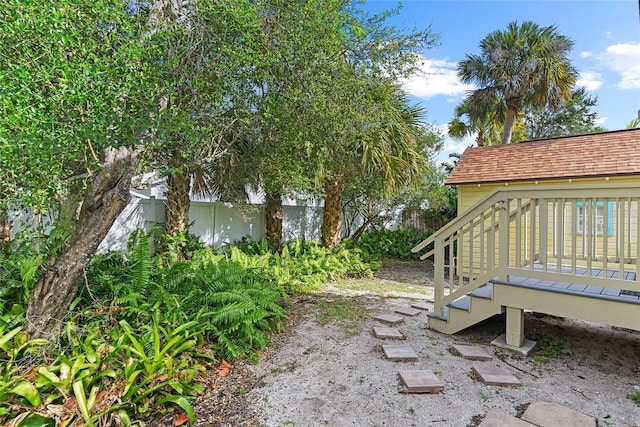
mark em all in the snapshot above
pixel 594 251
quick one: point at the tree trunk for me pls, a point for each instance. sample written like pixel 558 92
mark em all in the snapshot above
pixel 508 124
pixel 106 195
pixel 273 218
pixel 331 220
pixel 360 231
pixel 178 202
pixel 5 229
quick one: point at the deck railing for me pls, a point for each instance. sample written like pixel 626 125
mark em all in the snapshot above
pixel 587 234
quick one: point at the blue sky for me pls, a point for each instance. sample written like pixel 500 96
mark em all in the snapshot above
pixel 606 52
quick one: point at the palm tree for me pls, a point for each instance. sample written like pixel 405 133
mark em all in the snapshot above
pixel 524 65
pixel 486 125
pixel 384 150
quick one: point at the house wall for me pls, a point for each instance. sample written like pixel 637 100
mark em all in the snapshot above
pixel 601 246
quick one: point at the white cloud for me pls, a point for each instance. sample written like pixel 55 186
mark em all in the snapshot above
pixel 600 121
pixel 586 54
pixel 590 80
pixel 624 58
pixel 436 77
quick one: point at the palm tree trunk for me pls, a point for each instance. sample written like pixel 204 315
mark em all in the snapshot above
pixel 178 202
pixel 508 124
pixel 331 220
pixel 273 218
pixel 105 197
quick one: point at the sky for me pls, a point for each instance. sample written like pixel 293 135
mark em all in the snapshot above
pixel 606 51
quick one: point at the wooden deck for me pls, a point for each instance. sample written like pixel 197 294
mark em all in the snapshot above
pixel 577 289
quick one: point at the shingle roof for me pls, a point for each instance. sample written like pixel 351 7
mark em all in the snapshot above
pixel 599 154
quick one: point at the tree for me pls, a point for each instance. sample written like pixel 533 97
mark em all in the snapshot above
pixel 294 59
pixel 485 125
pixel 377 136
pixel 526 65
pixel 74 105
pixel 368 199
pixel 572 117
pixel 360 122
pixel 207 51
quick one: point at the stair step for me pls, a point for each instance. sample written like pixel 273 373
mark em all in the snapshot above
pixel 462 303
pixel 483 292
pixel 445 314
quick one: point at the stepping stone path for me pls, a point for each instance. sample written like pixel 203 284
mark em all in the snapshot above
pixel 496 418
pixel 541 413
pixel 389 318
pixel 399 352
pixel 493 375
pixel 408 311
pixel 421 306
pixel 538 414
pixel 384 332
pixel 421 382
pixel 470 352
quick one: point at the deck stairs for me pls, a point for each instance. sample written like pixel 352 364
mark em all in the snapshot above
pixel 544 249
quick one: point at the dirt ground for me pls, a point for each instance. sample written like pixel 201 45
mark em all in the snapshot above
pixel 328 367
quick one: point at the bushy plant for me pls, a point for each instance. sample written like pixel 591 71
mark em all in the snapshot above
pixel 234 302
pixel 142 328
pixel 98 374
pixel 385 243
pixel 300 266
pixel 18 274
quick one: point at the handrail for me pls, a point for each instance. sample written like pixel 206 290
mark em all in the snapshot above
pixel 492 198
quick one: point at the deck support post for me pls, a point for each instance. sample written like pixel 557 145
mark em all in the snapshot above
pixel 513 338
pixel 515 327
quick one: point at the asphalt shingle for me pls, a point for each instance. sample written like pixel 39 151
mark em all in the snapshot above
pixel 599 154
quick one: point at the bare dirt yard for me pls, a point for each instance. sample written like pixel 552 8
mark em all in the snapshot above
pixel 328 367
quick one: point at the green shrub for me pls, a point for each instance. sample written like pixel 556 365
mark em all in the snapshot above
pixel 299 266
pixel 98 374
pixel 385 243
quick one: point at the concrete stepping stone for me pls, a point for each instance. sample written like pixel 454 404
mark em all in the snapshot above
pixel 384 332
pixel 389 318
pixel 421 306
pixel 547 414
pixel 408 311
pixel 500 419
pixel 399 352
pixel 471 352
pixel 421 382
pixel 493 375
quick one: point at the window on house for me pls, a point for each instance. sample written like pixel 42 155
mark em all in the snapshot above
pixel 583 219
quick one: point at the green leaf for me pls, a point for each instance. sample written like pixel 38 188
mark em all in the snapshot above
pixel 181 402
pixel 28 391
pixel 81 398
pixel 7 337
pixel 36 420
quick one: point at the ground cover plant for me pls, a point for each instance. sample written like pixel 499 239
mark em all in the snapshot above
pixel 145 328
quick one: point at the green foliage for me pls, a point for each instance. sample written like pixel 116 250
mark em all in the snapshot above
pixel 573 117
pixel 385 243
pixel 635 397
pixel 100 374
pixel 234 303
pixel 525 65
pixel 18 274
pixel 548 347
pixel 299 266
